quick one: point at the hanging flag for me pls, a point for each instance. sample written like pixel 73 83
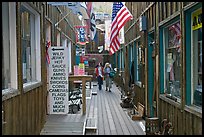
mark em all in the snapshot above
pixel 92 22
pixel 81 35
pixel 48 45
pixel 120 15
pixel 176 29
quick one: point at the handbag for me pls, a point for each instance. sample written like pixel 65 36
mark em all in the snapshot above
pixel 112 74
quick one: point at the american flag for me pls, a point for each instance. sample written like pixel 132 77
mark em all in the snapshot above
pixel 177 36
pixel 120 15
pixel 48 45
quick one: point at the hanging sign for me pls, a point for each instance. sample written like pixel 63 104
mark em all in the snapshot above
pixel 197 19
pixel 81 35
pixel 58 81
pixel 80 51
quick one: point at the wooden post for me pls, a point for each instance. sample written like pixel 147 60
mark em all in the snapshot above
pixel 126 68
pixel 157 80
pixel 84 96
pixel 183 59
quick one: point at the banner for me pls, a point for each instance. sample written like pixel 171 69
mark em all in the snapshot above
pixel 81 35
pixel 107 34
pixel 197 19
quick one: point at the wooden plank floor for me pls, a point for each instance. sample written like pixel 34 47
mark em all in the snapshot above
pixel 104 116
pixel 112 119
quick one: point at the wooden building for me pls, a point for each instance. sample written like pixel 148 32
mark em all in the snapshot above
pixel 164 40
pixel 26 29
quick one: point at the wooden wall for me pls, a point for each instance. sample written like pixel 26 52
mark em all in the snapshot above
pixel 24 112
pixel 185 121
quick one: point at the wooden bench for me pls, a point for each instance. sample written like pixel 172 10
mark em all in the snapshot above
pixel 137 113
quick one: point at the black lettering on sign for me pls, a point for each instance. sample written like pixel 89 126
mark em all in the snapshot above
pixel 59 74
pixel 58 102
pixel 58 66
pixel 59 94
pixel 58 61
pixel 58 98
pixel 58 106
pixel 58 110
pixel 58 70
pixel 56 57
pixel 58 90
pixel 58 78
pixel 58 82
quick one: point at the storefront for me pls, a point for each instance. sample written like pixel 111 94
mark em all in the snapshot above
pixel 170 61
pixel 193 18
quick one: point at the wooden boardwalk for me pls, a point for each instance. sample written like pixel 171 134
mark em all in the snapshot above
pixel 104 116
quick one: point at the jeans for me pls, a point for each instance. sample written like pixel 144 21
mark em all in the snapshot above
pixel 108 82
pixel 100 82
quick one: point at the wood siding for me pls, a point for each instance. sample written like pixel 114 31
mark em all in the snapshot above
pixel 25 112
pixel 159 13
pixel 183 122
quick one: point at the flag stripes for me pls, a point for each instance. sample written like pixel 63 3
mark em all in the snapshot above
pixel 120 16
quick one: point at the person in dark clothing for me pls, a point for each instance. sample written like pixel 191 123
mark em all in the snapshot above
pixel 100 74
pixel 132 74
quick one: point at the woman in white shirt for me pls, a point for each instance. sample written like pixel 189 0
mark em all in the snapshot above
pixel 107 70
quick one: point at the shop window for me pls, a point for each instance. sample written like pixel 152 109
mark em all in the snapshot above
pixel 196 57
pixel 139 63
pixel 173 59
pixel 9 54
pixel 30 36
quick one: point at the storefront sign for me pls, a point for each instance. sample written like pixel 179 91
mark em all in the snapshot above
pixel 81 35
pixel 80 51
pixel 197 19
pixel 58 81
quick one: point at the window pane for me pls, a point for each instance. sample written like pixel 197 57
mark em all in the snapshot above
pixel 197 67
pixel 139 62
pixel 6 47
pixel 28 52
pixel 173 62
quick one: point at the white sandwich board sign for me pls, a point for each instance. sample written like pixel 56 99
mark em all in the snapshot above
pixel 58 81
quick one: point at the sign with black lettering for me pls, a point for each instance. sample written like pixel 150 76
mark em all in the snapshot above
pixel 58 81
pixel 197 19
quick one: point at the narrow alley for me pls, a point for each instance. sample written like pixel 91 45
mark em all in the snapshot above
pixel 102 68
pixel 103 108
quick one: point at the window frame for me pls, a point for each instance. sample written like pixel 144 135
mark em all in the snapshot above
pixel 192 61
pixel 165 54
pixel 138 62
pixel 36 45
pixel 13 89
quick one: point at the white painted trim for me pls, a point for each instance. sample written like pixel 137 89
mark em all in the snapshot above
pixel 192 59
pixel 164 61
pixel 13 45
pixel 58 39
pixel 36 45
pixel 69 56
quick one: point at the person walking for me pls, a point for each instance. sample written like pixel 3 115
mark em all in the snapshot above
pixel 99 74
pixel 107 70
